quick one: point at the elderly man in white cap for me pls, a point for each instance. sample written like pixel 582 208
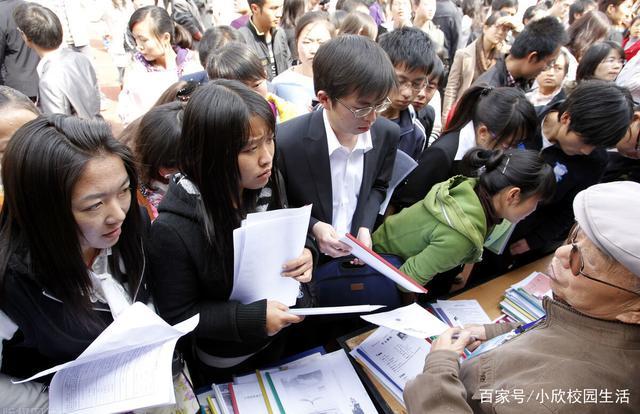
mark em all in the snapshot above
pixel 583 357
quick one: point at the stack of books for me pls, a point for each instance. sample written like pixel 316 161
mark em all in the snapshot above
pixel 315 383
pixel 523 301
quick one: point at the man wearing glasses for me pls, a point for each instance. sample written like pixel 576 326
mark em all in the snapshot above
pixel 340 157
pixel 588 345
pixel 412 55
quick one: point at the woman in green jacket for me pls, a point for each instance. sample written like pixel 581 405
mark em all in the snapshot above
pixel 449 227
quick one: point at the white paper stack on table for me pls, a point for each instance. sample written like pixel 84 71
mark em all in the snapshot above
pixel 523 301
pixel 460 312
pixel 313 384
pixel 127 367
pixel 263 243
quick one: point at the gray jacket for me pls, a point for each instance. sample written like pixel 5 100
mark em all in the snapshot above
pixel 281 52
pixel 68 85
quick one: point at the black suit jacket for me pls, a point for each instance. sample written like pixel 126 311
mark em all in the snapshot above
pixel 303 159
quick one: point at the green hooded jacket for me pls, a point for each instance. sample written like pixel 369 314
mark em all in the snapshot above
pixel 446 229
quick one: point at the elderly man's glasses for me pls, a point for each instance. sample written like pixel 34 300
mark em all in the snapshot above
pixel 363 112
pixel 576 262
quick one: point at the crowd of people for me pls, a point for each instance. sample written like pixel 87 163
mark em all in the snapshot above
pixel 526 112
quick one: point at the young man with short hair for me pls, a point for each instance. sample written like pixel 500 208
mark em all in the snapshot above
pixel 68 83
pixel 264 37
pixel 412 56
pixel 533 50
pixel 340 158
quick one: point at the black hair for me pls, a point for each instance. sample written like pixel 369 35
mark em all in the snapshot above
pixel 594 26
pixel 235 61
pixel 353 64
pixel 593 56
pixel 39 24
pixel 578 7
pixel 292 10
pixel 312 18
pixel 214 38
pixel 437 71
pixel 600 112
pixel 543 36
pixel 360 24
pixel 498 5
pixel 505 112
pixel 498 169
pixel 409 47
pixel 258 3
pixel 492 18
pixel 51 153
pixel 156 144
pixel 215 128
pixel 350 5
pixel 162 23
pixel 603 5
pixel 11 99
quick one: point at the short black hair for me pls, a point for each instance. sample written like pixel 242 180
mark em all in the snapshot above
pixel 497 5
pixel 39 24
pixel 600 112
pixel 578 7
pixel 214 38
pixel 543 36
pixel 235 61
pixel 409 47
pixel 350 5
pixel 353 64
pixel 595 54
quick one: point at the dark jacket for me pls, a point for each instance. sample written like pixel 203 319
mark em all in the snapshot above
pixel 45 324
pixel 303 157
pixel 188 280
pixel 18 62
pixel 498 76
pixel 448 18
pixel 281 52
pixel 412 134
pixel 436 164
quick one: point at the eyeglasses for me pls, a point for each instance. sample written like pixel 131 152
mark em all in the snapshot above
pixel 416 86
pixel 363 112
pixel 576 262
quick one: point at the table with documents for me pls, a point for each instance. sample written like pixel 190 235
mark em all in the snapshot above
pixel 487 294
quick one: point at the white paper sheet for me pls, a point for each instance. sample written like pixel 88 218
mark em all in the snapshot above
pixel 249 398
pixel 334 310
pixel 393 356
pixel 413 320
pixel 127 367
pixel 264 243
pixel 403 165
pixel 372 259
pixel 326 385
pixel 463 312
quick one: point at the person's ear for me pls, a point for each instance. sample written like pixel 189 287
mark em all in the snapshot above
pixel 165 38
pixel 611 10
pixel 255 8
pixel 565 119
pixel 324 100
pixel 513 196
pixel 483 137
pixel 631 317
pixel 533 57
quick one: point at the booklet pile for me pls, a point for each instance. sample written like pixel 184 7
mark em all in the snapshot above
pixel 523 301
pixel 316 383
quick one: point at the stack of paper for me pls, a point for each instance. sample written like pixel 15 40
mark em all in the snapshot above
pixel 412 320
pixel 523 301
pixel 263 243
pixel 313 384
pixel 127 367
pixel 460 312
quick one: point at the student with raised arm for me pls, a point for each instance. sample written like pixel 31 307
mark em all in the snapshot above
pixel 71 242
pixel 225 158
pixel 340 157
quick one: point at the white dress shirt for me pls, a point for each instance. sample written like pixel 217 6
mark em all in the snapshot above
pixel 466 141
pixel 347 167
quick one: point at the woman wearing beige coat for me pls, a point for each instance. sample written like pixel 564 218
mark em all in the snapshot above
pixel 475 59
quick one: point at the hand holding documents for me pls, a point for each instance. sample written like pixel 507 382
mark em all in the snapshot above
pixel 412 320
pixel 263 243
pixel 127 367
pixel 374 260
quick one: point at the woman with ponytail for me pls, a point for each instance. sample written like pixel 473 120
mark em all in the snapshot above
pixel 486 117
pixel 449 227
pixel 163 56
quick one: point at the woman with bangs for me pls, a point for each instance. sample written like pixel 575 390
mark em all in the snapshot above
pixel 485 117
pixel 227 170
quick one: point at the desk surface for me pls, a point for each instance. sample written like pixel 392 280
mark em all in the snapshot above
pixel 488 295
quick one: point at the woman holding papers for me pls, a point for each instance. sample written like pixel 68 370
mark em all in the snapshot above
pixel 450 225
pixel 226 171
pixel 71 249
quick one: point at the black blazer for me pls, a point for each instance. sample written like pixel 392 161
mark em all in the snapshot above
pixel 303 159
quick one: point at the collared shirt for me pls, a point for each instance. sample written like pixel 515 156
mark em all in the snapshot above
pixel 105 288
pixel 347 167
pixel 467 140
pixel 545 141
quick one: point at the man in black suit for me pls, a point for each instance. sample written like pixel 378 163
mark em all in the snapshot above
pixel 340 157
